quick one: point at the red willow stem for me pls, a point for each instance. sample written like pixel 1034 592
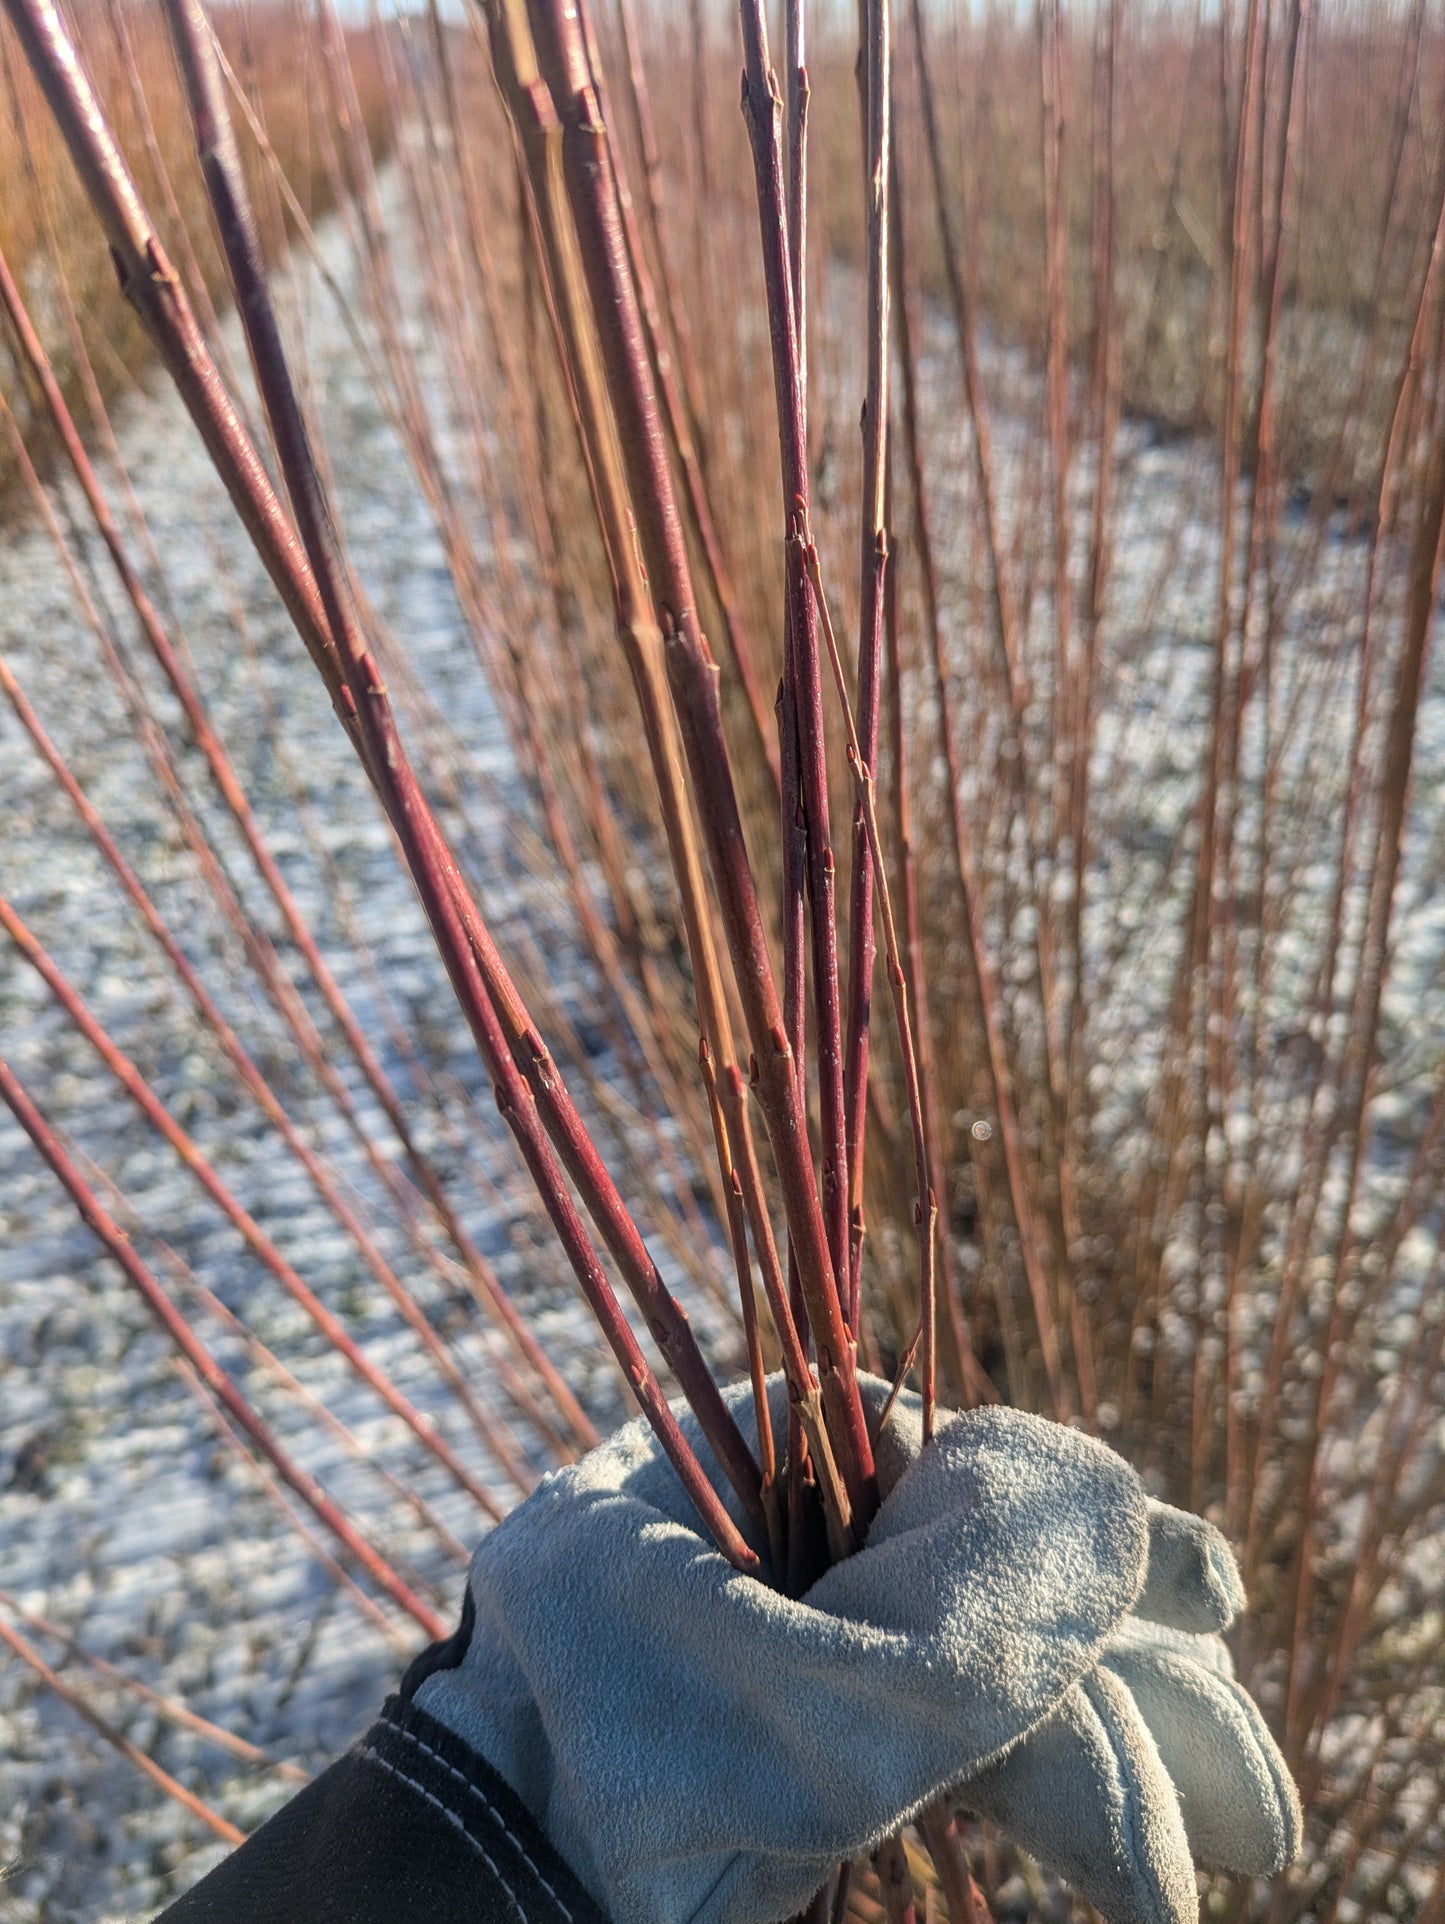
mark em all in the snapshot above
pixel 428 858
pixel 255 1238
pixel 191 1347
pixel 28 1654
pixel 267 1360
pixel 763 112
pixel 271 1488
pixel 877 78
pixel 359 697
pixel 692 677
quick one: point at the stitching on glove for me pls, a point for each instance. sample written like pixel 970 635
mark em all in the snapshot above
pixel 495 1815
pixel 372 1756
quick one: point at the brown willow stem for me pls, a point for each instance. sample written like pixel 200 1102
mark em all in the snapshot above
pixel 925 1209
pixel 878 91
pixel 433 869
pixel 28 1654
pixel 692 678
pixel 201 1360
pixel 962 309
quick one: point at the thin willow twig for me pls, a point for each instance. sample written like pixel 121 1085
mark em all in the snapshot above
pixel 167 1707
pixel 212 1819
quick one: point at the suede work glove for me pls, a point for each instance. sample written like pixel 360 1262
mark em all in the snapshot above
pixel 1156 1757
pixel 702 1749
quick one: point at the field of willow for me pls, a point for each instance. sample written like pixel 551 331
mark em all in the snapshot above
pixel 645 743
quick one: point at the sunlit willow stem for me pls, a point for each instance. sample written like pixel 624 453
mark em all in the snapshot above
pixel 542 65
pixel 306 566
pixel 682 411
pixel 538 131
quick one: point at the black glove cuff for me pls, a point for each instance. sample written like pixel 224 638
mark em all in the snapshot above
pixel 409 1827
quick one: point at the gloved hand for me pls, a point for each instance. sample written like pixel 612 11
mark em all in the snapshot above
pixel 1156 1756
pixel 702 1749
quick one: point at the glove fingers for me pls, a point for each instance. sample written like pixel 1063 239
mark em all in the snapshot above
pixel 1087 1795
pixel 1239 1803
pixel 1193 1581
